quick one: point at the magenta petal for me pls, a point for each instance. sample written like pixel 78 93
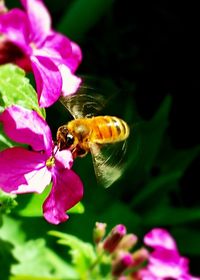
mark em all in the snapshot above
pixel 39 19
pixel 71 82
pixel 168 263
pixel 164 271
pixel 27 127
pixel 23 171
pixel 15 26
pixel 63 158
pixel 48 80
pixel 67 190
pixel 59 43
pixel 160 238
pixel 76 57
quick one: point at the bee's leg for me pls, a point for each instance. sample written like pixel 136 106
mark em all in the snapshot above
pixel 79 152
pixel 82 153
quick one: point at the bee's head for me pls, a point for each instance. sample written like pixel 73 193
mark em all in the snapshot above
pixel 65 139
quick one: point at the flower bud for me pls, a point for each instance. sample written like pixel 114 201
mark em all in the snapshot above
pixel 114 237
pixel 3 8
pixel 123 261
pixel 127 242
pixel 99 232
pixel 140 256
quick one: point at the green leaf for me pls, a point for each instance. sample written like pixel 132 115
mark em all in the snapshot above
pixel 82 253
pixel 5 142
pixel 33 208
pixel 172 216
pixel 179 159
pixel 7 203
pixel 173 166
pixel 190 236
pixel 152 133
pixel 77 209
pixel 6 259
pixel 35 259
pixel 11 231
pixel 148 139
pixel 15 88
pixel 81 16
pixel 156 187
pixel 33 256
pixel 28 277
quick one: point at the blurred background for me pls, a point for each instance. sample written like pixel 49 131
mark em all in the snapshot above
pixel 143 57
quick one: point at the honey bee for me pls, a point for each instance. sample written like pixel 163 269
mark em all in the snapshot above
pixel 88 132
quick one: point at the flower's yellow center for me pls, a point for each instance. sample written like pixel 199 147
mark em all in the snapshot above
pixel 50 162
pixel 32 45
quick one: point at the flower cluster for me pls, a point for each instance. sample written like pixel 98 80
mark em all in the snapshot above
pixel 31 170
pixel 29 41
pixel 161 263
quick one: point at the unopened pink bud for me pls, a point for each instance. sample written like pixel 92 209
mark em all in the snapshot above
pixel 99 232
pixel 123 261
pixel 3 8
pixel 140 256
pixel 114 237
pixel 127 242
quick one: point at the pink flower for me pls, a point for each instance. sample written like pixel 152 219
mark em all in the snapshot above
pixel 165 261
pixel 52 57
pixel 31 170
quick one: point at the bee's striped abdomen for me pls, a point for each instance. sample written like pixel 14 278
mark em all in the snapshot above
pixel 108 129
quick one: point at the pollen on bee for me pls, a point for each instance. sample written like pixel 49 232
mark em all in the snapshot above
pixel 50 161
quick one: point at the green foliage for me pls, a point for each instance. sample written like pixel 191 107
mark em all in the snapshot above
pixel 173 216
pixel 28 277
pixel 6 259
pixel 7 203
pixel 4 141
pixel 82 253
pixel 33 258
pixel 81 16
pixel 149 135
pixel 77 209
pixel 189 236
pixel 172 169
pixel 16 89
pixel 33 204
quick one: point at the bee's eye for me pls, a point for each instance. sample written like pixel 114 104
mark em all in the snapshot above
pixel 69 139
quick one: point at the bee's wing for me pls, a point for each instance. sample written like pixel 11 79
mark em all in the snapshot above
pixel 108 161
pixel 83 105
